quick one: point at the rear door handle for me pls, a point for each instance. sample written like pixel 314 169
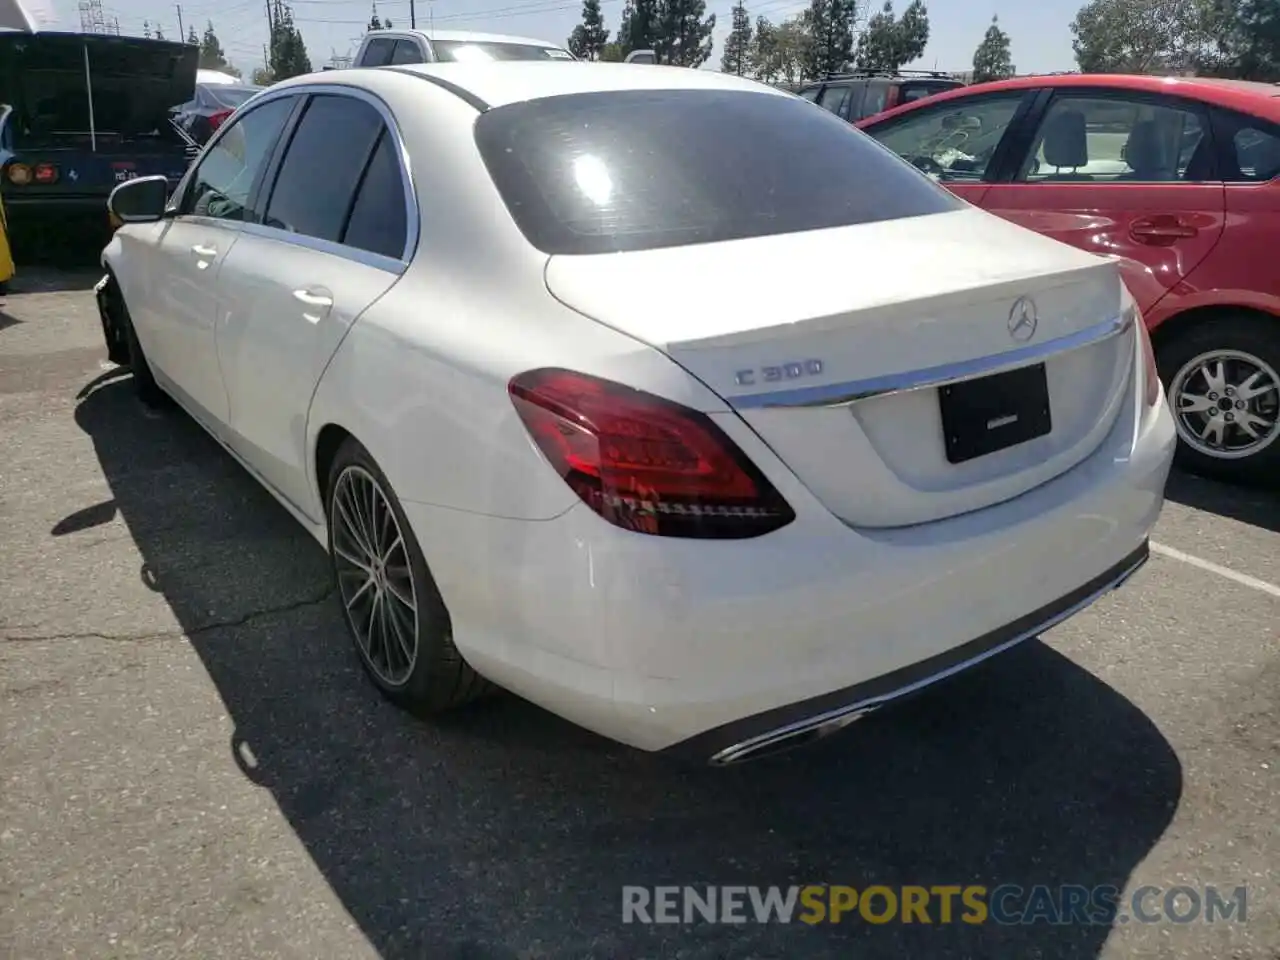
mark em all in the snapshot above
pixel 314 297
pixel 1162 230
pixel 318 301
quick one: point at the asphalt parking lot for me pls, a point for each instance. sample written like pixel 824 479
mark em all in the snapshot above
pixel 193 765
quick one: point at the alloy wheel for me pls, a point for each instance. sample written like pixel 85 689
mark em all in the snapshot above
pixel 374 576
pixel 1226 404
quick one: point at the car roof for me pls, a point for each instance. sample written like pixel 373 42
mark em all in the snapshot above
pixel 1261 99
pixel 499 83
pixel 468 36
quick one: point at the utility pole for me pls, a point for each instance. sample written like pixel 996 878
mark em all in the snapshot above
pixel 413 19
pixel 182 33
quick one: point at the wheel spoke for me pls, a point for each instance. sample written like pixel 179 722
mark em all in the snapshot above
pixel 351 558
pixel 352 525
pixel 1214 377
pixel 1213 430
pixel 1252 424
pixel 1257 384
pixel 1195 403
pixel 360 592
pixel 403 628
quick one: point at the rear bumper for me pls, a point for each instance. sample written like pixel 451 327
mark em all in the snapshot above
pixel 821 716
pixel 702 647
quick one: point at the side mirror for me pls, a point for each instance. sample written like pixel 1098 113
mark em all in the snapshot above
pixel 143 200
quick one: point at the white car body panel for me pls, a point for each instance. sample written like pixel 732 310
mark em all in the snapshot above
pixel 892 557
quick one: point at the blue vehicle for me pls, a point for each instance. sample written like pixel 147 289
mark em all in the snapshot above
pixel 82 113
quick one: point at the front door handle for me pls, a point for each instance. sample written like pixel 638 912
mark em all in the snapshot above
pixel 1162 230
pixel 203 251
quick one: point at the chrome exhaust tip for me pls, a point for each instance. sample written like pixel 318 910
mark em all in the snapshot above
pixel 790 737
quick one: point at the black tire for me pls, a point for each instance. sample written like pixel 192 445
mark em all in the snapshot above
pixel 438 678
pixel 4 288
pixel 144 383
pixel 1246 333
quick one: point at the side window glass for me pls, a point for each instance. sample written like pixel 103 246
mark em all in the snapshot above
pixel 1255 150
pixel 377 221
pixel 406 51
pixel 810 93
pixel 874 101
pixel 318 177
pixel 378 53
pixel 954 142
pixel 224 180
pixel 1109 139
pixel 832 98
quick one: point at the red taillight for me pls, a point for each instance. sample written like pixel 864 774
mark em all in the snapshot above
pixel 218 119
pixel 644 463
pixel 46 173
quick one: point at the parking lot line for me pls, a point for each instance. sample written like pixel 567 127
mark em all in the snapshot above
pixel 1241 578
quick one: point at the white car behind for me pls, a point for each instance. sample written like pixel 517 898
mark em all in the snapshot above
pixel 662 398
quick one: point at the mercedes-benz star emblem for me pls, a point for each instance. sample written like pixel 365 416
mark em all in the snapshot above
pixel 1023 320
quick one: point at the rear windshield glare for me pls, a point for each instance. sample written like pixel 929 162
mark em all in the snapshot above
pixel 232 96
pixel 642 169
pixel 466 51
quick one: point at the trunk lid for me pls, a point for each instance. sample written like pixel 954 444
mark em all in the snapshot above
pixel 784 328
pixel 133 83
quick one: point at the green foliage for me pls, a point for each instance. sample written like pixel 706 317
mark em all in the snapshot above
pixel 1248 45
pixel 1145 36
pixel 737 46
pixel 287 54
pixel 192 38
pixel 778 52
pixel 890 42
pixel 639 27
pixel 587 42
pixel 612 53
pixel 991 61
pixel 212 56
pixel 828 25
pixel 684 33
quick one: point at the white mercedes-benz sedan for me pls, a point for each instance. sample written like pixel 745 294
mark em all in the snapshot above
pixel 662 398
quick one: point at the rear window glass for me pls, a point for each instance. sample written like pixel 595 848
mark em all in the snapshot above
pixel 642 169
pixel 918 91
pixel 468 51
pixel 230 96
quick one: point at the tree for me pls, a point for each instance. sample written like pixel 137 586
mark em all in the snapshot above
pixel 159 34
pixel 192 39
pixel 737 46
pixel 889 43
pixel 262 77
pixel 638 29
pixel 212 56
pixel 991 61
pixel 684 33
pixel 612 53
pixel 1144 36
pixel 778 51
pixel 1248 46
pixel 287 53
pixel 829 25
pixel 588 39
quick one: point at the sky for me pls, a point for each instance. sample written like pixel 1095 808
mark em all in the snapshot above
pixel 1039 34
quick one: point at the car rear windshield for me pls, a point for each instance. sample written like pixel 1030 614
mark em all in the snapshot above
pixel 468 51
pixel 642 169
pixel 919 89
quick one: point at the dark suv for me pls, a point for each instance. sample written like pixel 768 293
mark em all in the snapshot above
pixel 853 96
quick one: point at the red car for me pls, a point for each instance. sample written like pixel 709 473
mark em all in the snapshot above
pixel 1178 177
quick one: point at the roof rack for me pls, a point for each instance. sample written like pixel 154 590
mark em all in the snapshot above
pixel 851 74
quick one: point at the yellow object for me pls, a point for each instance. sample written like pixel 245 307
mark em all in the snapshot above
pixel 7 269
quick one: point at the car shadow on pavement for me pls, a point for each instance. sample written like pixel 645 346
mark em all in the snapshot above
pixel 1252 505
pixel 503 831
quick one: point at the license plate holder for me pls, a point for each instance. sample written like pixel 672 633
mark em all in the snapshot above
pixel 989 414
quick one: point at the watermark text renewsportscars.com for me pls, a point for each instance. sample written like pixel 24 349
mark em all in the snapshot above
pixel 1005 904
